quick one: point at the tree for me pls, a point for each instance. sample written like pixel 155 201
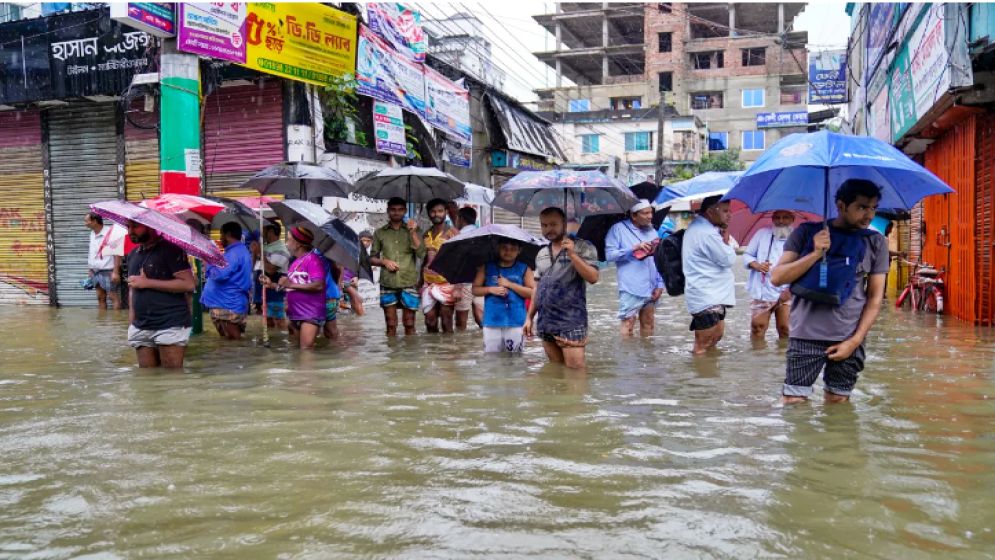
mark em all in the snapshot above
pixel 726 160
pixel 338 101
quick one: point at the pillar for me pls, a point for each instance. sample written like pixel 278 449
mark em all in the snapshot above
pixel 732 20
pixel 780 18
pixel 559 73
pixel 604 45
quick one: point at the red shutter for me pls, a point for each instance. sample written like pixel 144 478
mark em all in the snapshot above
pixel 985 221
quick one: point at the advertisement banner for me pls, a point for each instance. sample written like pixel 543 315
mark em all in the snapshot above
pixel 156 18
pixel 448 105
pixel 307 42
pixel 388 128
pixel 827 77
pixel 400 27
pixel 214 30
pixel 920 74
pixel 456 152
pixel 879 117
pixel 383 75
pixel 880 23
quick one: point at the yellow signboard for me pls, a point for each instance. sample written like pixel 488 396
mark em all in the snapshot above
pixel 307 42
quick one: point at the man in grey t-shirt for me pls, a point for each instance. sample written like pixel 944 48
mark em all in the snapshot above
pixel 828 336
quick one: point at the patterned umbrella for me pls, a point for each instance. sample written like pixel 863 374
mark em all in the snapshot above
pixel 304 180
pixel 578 193
pixel 176 232
pixel 184 207
pixel 413 184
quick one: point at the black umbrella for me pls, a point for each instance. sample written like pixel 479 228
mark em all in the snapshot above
pixel 459 258
pixel 595 228
pixel 341 244
pixel 304 180
pixel 413 184
pixel 237 212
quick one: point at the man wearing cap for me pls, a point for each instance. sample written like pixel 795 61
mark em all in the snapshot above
pixel 766 298
pixel 396 246
pixel 630 244
pixel 709 283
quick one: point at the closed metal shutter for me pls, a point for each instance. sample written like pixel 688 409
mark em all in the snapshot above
pixel 82 143
pixel 528 223
pixel 23 259
pixel 141 162
pixel 985 221
pixel 243 133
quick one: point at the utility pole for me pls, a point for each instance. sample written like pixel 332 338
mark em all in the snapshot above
pixel 658 179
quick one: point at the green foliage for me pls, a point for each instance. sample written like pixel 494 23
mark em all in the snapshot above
pixel 338 103
pixel 414 156
pixel 726 160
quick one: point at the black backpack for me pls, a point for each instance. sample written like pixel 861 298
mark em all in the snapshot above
pixel 668 262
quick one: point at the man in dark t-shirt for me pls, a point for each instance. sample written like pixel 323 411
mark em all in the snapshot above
pixel 159 279
pixel 832 336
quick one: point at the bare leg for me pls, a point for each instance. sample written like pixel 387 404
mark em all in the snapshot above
pixel 147 356
pixel 432 319
pixel 331 330
pixel 553 352
pixel 309 332
pixel 782 318
pixel 355 301
pixel 408 317
pixel 446 314
pixel 786 399
pixel 759 324
pixel 478 315
pixel 627 326
pixel 101 298
pixel 390 317
pixel 574 357
pixel 172 356
pixel 705 340
pixel 115 297
pixel 833 398
pixel 647 320
pixel 462 318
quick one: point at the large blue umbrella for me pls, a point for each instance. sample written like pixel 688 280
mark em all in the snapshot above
pixel 803 171
pixel 578 193
pixel 706 182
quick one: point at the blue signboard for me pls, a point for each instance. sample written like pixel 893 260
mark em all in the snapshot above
pixel 827 77
pixel 774 120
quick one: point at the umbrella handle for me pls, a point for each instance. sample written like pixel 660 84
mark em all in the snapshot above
pixel 262 261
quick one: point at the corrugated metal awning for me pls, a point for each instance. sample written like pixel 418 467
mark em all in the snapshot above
pixel 524 132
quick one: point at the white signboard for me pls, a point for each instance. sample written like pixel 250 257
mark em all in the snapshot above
pixel 388 128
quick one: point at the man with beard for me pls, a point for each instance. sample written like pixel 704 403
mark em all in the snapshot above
pixel 764 250
pixel 707 260
pixel 438 296
pixel 228 290
pixel 825 336
pixel 159 279
pixel 396 246
pixel 630 244
pixel 565 267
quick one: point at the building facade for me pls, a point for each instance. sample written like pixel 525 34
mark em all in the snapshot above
pixel 459 41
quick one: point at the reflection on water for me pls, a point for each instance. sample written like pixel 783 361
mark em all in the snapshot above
pixel 424 447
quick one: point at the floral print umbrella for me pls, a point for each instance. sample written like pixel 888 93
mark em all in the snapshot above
pixel 578 193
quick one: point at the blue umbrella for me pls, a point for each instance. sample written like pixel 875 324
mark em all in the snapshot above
pixel 706 182
pixel 578 193
pixel 803 171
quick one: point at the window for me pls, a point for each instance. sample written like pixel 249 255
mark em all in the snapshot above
pixel 707 60
pixel 718 141
pixel 624 103
pixel 753 98
pixel 580 105
pixel 666 81
pixel 753 140
pixel 755 57
pixel 590 143
pixel 796 97
pixel 664 40
pixel 638 141
pixel 706 100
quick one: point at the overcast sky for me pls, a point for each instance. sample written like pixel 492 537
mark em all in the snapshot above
pixel 515 35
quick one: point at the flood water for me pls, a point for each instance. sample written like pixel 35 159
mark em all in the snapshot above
pixel 427 448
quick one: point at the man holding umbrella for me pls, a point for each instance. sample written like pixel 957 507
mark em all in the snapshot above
pixel 396 246
pixel 628 244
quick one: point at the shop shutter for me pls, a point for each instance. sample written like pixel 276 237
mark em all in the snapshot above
pixel 243 133
pixel 23 259
pixel 82 144
pixel 141 160
pixel 985 220
pixel 501 216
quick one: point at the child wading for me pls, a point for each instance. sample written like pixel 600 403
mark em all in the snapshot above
pixel 505 285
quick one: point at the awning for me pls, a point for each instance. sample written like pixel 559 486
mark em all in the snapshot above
pixel 524 132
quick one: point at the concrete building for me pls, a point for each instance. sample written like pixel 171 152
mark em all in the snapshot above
pixel 736 67
pixel 460 42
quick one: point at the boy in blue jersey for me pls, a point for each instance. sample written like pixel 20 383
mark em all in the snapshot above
pixel 505 284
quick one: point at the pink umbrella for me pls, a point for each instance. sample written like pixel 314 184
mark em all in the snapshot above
pixel 185 207
pixel 744 224
pixel 176 232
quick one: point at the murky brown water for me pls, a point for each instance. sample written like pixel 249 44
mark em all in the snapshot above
pixel 425 448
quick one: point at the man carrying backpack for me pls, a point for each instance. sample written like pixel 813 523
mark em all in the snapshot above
pixel 837 275
pixel 707 260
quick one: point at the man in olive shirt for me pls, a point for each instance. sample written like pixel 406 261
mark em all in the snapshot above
pixel 396 246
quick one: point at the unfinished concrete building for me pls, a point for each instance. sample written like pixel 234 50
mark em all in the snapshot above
pixel 739 68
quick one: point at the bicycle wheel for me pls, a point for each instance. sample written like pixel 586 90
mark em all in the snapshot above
pixel 933 300
pixel 904 300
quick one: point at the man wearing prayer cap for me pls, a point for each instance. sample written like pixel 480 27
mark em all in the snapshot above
pixel 630 245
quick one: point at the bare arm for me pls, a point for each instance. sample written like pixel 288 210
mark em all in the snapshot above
pixel 479 289
pixel 790 268
pixel 587 271
pixel 875 295
pixel 182 282
pixel 527 286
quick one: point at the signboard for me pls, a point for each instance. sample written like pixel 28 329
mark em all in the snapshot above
pixel 307 42
pixel 880 23
pixel 86 60
pixel 383 75
pixel 388 128
pixel 775 120
pixel 456 152
pixel 827 77
pixel 354 169
pixel 879 117
pixel 214 30
pixel 156 18
pixel 448 105
pixel 400 27
pixel 920 74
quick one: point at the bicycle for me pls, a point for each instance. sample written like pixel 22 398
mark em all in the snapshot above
pixel 924 291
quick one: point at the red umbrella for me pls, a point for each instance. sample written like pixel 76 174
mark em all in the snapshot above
pixel 185 207
pixel 176 232
pixel 744 224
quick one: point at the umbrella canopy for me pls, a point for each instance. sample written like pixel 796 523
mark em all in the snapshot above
pixel 459 258
pixel 185 207
pixel 744 224
pixel 706 182
pixel 304 180
pixel 687 203
pixel 476 194
pixel 257 203
pixel 237 212
pixel 178 233
pixel 341 244
pixel 595 228
pixel 804 171
pixel 578 193
pixel 330 234
pixel 413 184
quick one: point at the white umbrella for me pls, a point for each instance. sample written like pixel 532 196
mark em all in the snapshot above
pixel 685 203
pixel 476 194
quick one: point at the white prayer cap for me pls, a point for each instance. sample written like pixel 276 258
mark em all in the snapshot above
pixel 641 205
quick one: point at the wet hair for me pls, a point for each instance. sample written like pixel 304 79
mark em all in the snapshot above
pixel 273 227
pixel 433 203
pixel 232 230
pixel 506 241
pixel 367 234
pixel 852 188
pixel 396 201
pixel 469 215
pixel 709 202
pixel 554 210
pixel 94 217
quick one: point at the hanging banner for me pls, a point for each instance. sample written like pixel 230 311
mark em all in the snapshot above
pixel 214 30
pixel 920 74
pixel 400 27
pixel 388 128
pixel 382 74
pixel 448 105
pixel 457 152
pixel 880 23
pixel 827 77
pixel 307 42
pixel 156 18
